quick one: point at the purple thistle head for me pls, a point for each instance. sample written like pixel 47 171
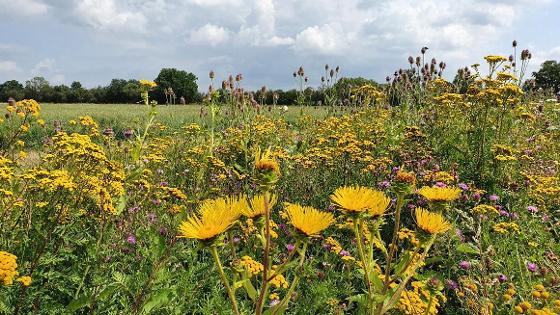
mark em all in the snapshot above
pixel 532 209
pixel 532 267
pixel 451 285
pixel 476 196
pixel 463 186
pixel 384 184
pixel 502 278
pixel 441 184
pixel 493 198
pixel 465 265
pixel 131 239
pixel 344 253
pixel 290 247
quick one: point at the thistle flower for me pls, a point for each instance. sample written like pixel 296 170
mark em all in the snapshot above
pixel 359 199
pixel 308 220
pixel 433 223
pixel 439 194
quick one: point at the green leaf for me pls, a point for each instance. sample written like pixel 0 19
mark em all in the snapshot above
pixel 78 303
pixel 467 248
pixel 156 300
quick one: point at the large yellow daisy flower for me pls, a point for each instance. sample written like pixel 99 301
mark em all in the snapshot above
pixel 214 217
pixel 257 206
pixel 355 199
pixel 308 220
pixel 433 223
pixel 439 194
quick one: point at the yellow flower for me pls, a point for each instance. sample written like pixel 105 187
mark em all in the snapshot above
pixel 251 266
pixel 257 206
pixel 8 268
pixel 214 217
pixel 439 194
pixel 432 223
pixel 308 220
pixel 147 84
pixel 360 199
pixel 25 280
pixel 266 163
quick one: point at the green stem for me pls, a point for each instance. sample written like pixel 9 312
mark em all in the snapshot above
pixel 224 279
pixel 266 259
pixel 284 303
pixel 363 256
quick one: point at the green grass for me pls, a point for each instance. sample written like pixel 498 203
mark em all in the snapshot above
pixel 106 114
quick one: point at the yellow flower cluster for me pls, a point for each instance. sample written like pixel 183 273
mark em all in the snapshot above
pixel 278 281
pixel 407 234
pixel 251 266
pixel 485 209
pixel 8 268
pixel 510 293
pixel 26 107
pixel 506 227
pixel 416 300
pixel 147 84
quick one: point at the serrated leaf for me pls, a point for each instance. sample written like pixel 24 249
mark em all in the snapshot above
pixel 467 248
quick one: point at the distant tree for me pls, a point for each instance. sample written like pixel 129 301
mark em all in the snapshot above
pixel 99 95
pixel 183 84
pixel 548 76
pixel 60 94
pixel 122 91
pixel 78 94
pixel 13 89
pixel 38 88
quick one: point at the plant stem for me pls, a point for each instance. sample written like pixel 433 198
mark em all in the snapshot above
pixel 295 282
pixel 266 258
pixel 224 279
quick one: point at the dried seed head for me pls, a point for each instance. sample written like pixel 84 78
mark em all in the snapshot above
pixel 410 60
pixel 514 44
pixel 337 69
pixel 434 61
pixel 211 74
pixel 418 60
pixel 510 58
pixel 326 67
pixel 423 50
pixel 331 73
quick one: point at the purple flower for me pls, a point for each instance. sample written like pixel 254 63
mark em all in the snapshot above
pixel 545 218
pixel 236 239
pixel 384 184
pixel 494 198
pixel 290 247
pixel 476 196
pixel 532 209
pixel 133 209
pixel 156 202
pixel 441 184
pixel 532 267
pixel 504 213
pixel 274 302
pixel 396 169
pixel 344 253
pixel 502 278
pixel 463 186
pixel 465 265
pixel 452 285
pixel 162 231
pixel 128 133
pixel 131 239
pixel 163 184
pixel 459 234
pixel 152 217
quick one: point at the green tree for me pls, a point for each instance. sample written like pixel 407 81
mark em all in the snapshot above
pixel 13 89
pixel 548 76
pixel 183 84
pixel 38 89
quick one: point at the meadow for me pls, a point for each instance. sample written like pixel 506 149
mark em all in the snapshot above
pixel 421 196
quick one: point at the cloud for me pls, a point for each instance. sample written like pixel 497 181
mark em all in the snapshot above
pixel 209 34
pixel 48 69
pixel 22 7
pixel 264 39
pixel 8 68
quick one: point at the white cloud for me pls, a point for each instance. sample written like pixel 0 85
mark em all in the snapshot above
pixel 110 15
pixel 209 34
pixel 22 7
pixel 8 67
pixel 48 69
pixel 326 39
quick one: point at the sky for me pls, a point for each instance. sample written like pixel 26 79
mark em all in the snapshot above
pixel 94 41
